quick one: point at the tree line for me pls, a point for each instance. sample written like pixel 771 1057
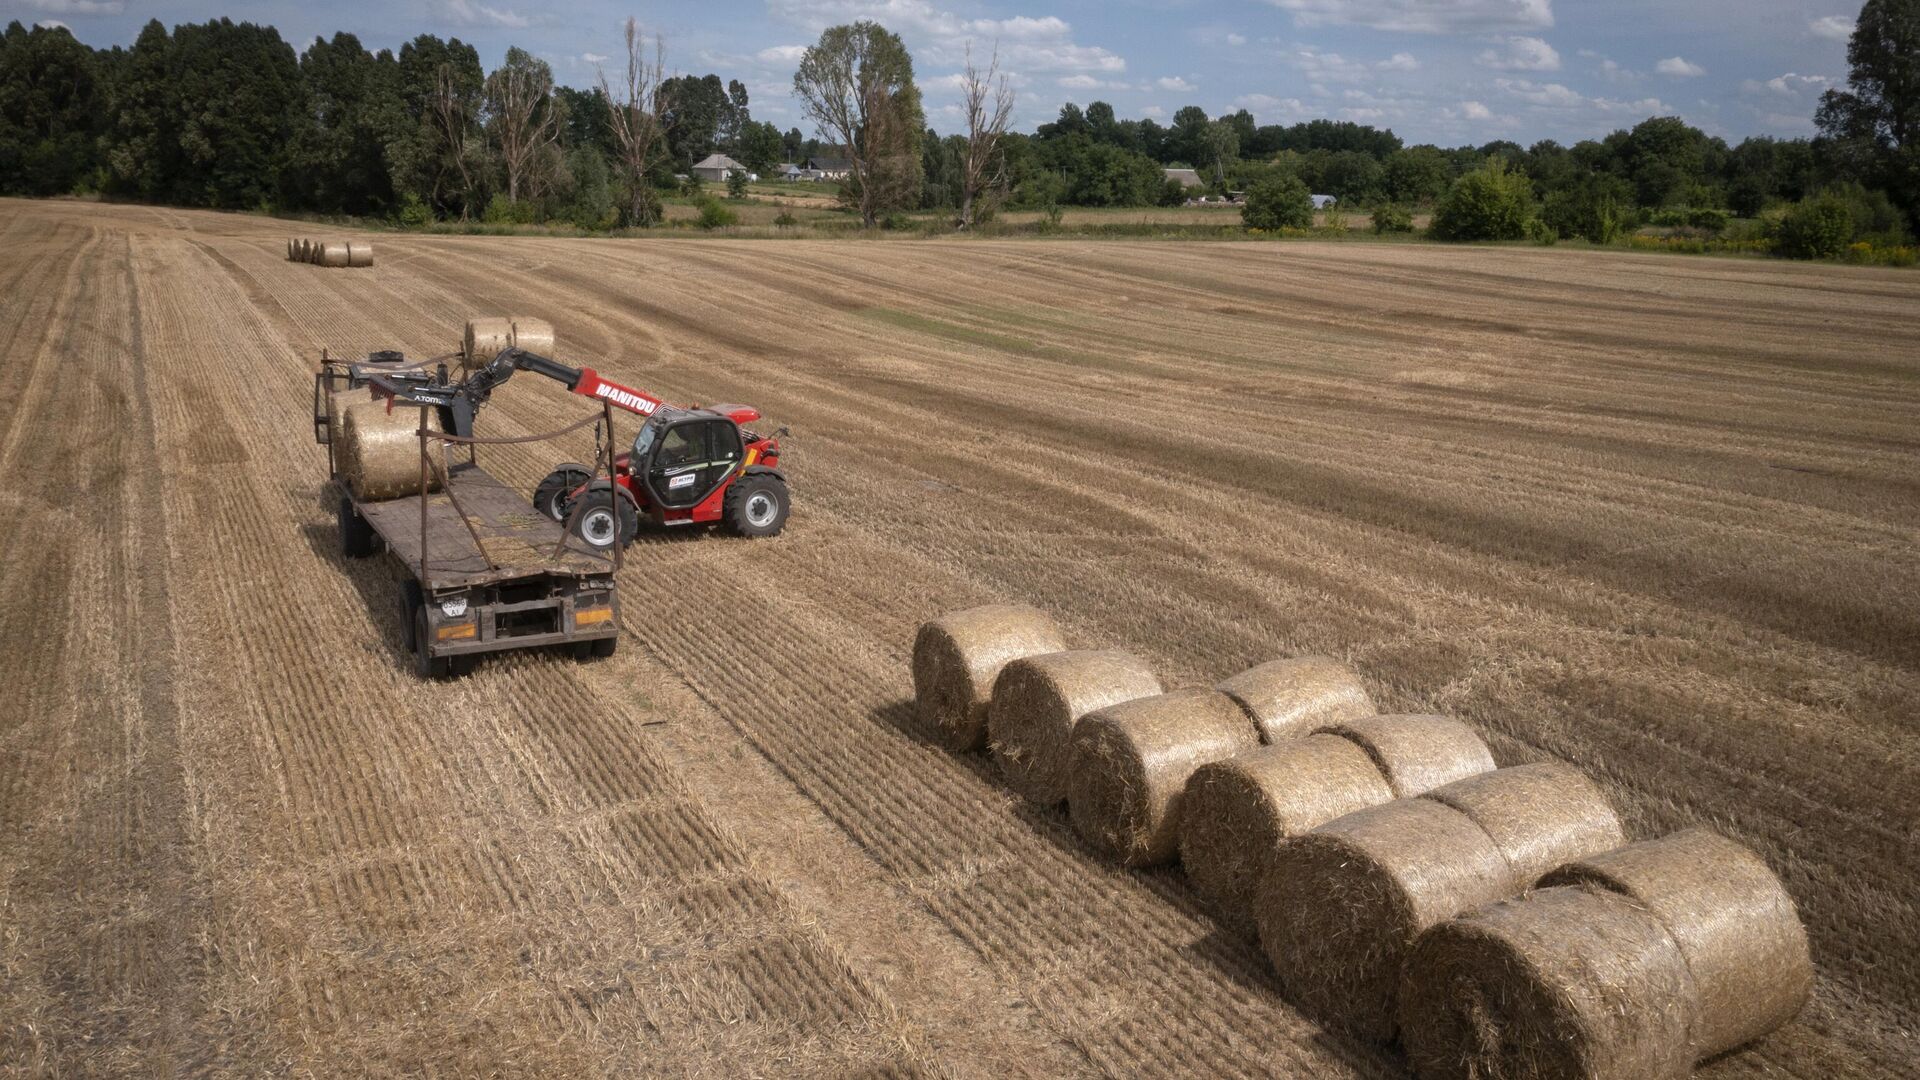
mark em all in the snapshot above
pixel 227 114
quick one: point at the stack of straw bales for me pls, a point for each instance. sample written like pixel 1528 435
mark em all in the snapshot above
pixel 379 455
pixel 957 657
pixel 485 338
pixel 330 252
pixel 1341 906
pixel 1634 963
pixel 1495 919
pixel 1240 810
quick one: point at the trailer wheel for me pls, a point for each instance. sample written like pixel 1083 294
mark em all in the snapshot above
pixel 550 497
pixel 357 538
pixel 604 647
pixel 410 604
pixel 425 664
pixel 757 505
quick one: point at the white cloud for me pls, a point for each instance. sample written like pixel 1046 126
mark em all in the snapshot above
pixel 1399 61
pixel 1831 27
pixel 1154 111
pixel 1236 40
pixel 1328 67
pixel 1521 54
pixel 939 38
pixel 1270 109
pixel 77 7
pixel 592 58
pixel 781 54
pixel 1423 16
pixel 1174 83
pixel 1551 95
pixel 53 24
pixel 469 13
pixel 1679 68
pixel 1473 110
pixel 1789 84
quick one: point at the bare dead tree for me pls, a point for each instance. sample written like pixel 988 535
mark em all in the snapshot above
pixel 452 114
pixel 988 100
pixel 524 121
pixel 639 136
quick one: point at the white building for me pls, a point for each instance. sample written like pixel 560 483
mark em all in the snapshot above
pixel 715 167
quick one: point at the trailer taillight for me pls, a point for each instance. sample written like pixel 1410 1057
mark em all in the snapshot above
pixel 456 631
pixel 592 616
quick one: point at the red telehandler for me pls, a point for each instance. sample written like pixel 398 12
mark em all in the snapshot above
pixel 687 466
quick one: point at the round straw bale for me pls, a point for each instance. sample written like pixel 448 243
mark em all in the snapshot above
pixel 359 253
pixel 337 403
pixel 1539 816
pixel 380 458
pixel 1037 700
pixel 956 658
pixel 1293 697
pixel 1132 761
pixel 533 335
pixel 1341 905
pixel 1568 982
pixel 1732 918
pixel 485 339
pixel 290 246
pixel 1237 812
pixel 1418 753
pixel 334 253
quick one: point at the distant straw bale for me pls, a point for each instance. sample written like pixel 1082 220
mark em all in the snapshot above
pixel 957 657
pixel 1132 761
pixel 1293 697
pixel 1037 701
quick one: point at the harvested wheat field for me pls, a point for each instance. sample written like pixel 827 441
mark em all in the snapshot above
pixel 1649 516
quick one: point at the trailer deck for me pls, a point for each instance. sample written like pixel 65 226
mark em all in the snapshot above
pixel 501 536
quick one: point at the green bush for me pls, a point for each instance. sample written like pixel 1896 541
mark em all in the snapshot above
pixel 693 187
pixel 1392 219
pixel 1706 219
pixel 715 216
pixel 1277 202
pixel 736 184
pixel 1334 220
pixel 1816 228
pixel 414 213
pixel 1488 204
pixel 504 211
pixel 1542 233
pixel 786 220
pixel 897 222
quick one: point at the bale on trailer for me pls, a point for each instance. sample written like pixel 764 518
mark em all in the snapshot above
pixel 1132 761
pixel 1536 814
pixel 1343 904
pixel 380 455
pixel 1292 697
pixel 359 253
pixel 956 658
pixel 1237 813
pixel 1418 753
pixel 1565 982
pixel 334 253
pixel 1732 919
pixel 337 403
pixel 1037 701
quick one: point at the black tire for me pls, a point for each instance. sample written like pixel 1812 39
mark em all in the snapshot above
pixel 608 516
pixel 425 664
pixel 757 505
pixel 357 538
pixel 550 496
pixel 604 647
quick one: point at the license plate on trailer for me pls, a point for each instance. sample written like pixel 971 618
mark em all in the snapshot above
pixel 454 608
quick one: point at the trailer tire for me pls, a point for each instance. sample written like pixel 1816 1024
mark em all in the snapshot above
pixel 550 496
pixel 757 505
pixel 410 603
pixel 604 647
pixel 609 516
pixel 428 666
pixel 357 538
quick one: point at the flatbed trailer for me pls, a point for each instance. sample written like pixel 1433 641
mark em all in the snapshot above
pixel 480 570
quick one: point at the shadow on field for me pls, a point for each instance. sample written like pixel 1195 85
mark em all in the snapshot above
pixel 1237 956
pixel 372 577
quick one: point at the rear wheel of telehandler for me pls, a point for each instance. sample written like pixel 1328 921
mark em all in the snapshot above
pixel 757 505
pixel 550 497
pixel 357 538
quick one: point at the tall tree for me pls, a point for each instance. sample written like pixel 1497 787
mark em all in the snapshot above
pixel 434 150
pixel 856 85
pixel 1873 126
pixel 50 110
pixel 521 116
pixel 987 99
pixel 352 115
pixel 634 115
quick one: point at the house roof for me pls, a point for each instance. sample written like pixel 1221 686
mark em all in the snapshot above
pixel 829 164
pixel 718 161
pixel 1189 177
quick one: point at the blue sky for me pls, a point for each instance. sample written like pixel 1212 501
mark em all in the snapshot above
pixel 1446 71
